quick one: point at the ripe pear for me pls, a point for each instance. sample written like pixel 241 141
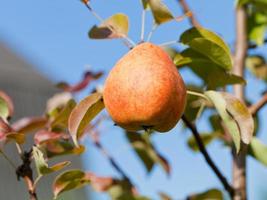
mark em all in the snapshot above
pixel 145 90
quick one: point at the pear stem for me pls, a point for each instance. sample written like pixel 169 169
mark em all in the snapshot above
pixel 143 25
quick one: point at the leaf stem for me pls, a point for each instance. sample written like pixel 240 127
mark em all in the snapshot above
pixel 168 43
pixel 197 94
pixel 154 27
pixel 143 25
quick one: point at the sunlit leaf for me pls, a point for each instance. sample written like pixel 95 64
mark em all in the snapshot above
pixel 17 137
pixel 114 27
pixel 258 150
pixel 208 44
pixel 145 4
pixel 29 124
pixel 212 194
pixel 211 73
pixel 69 180
pixel 164 196
pixel 57 102
pixel 257 24
pixel 83 113
pixel 42 166
pixel 160 11
pixel 235 115
pixel 257 65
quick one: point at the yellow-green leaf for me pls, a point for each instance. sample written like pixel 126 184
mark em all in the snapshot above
pixel 160 11
pixel 83 114
pixel 116 26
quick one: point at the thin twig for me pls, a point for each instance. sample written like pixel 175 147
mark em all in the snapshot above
pixel 186 9
pixel 7 159
pixel 204 152
pixel 257 106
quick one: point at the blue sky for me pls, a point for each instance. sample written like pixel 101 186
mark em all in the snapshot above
pixel 52 35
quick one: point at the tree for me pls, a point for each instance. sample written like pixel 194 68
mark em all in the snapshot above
pixel 206 55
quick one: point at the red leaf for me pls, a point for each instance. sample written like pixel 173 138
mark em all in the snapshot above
pixel 44 135
pixel 88 77
pixel 29 124
pixel 100 184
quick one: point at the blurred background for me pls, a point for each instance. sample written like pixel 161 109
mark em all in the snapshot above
pixel 44 42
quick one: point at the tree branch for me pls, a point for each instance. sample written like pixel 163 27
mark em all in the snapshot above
pixel 204 152
pixel 239 160
pixel 25 171
pixel 186 9
pixel 257 106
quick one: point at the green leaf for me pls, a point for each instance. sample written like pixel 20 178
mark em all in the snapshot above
pixel 160 11
pixel 114 27
pixel 211 73
pixel 258 150
pixel 83 114
pixel 69 180
pixel 42 166
pixel 145 4
pixel 257 24
pixel 61 119
pixel 257 65
pixel 208 44
pixel 212 194
pixel 206 138
pixel 147 152
pixel 3 109
pixel 235 115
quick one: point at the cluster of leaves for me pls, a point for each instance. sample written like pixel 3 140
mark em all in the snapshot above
pixel 65 123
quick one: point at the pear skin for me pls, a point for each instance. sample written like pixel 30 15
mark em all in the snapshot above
pixel 145 90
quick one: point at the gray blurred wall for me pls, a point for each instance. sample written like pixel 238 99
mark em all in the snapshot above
pixel 29 91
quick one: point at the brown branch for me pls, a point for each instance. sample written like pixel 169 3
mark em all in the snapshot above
pixel 186 9
pixel 208 159
pixel 253 109
pixel 25 171
pixel 239 160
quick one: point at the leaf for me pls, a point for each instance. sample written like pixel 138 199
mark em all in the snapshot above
pixel 206 138
pixel 69 180
pixel 212 194
pixel 235 115
pixel 164 196
pixel 257 65
pixel 57 102
pixel 208 44
pixel 258 150
pixel 257 24
pixel 160 11
pixel 145 4
pixel 45 135
pixel 29 124
pixel 83 114
pixel 211 73
pixel 61 119
pixel 42 166
pixel 17 137
pixel 116 26
pixel 88 77
pixel 6 105
pixel 147 152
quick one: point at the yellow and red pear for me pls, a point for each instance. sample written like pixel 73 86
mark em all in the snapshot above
pixel 145 90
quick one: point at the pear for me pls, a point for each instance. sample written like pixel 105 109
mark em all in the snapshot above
pixel 144 90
